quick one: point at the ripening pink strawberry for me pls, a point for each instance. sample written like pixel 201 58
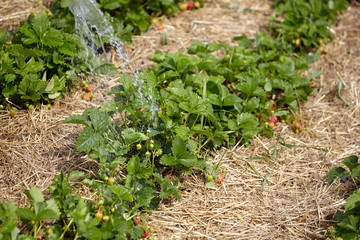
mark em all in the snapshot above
pixel 272 119
pixel 219 178
pixel 297 126
pixel 272 106
pixel 160 27
pixel 137 220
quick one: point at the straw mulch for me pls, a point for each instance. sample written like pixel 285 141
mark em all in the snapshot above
pixel 296 202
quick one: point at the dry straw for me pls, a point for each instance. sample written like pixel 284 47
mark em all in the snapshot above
pixel 296 203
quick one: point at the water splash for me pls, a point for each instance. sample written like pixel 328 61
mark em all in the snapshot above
pixel 93 26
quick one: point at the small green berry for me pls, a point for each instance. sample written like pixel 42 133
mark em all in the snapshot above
pixel 138 146
pixel 209 178
pixel 159 152
pixel 111 180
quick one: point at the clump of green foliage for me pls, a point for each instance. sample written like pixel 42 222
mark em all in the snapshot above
pixel 68 216
pixel 305 22
pixel 127 17
pixel 42 62
pixel 347 226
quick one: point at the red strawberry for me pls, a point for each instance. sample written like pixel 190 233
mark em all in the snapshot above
pixel 190 6
pixel 170 177
pixel 313 85
pixel 145 234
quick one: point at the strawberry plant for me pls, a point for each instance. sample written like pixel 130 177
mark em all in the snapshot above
pixel 127 17
pixel 38 64
pixel 305 22
pixel 163 118
pixel 107 217
pixel 347 226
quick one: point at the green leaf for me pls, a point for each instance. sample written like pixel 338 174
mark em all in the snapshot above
pixel 30 37
pixel 99 120
pixel 68 49
pixel 34 195
pixel 140 170
pixel 52 38
pixel 130 136
pixel 106 69
pixel 179 155
pixel 351 162
pixel 334 173
pixel 41 23
pixel 353 201
pixel 31 88
pixel 75 174
pixel 8 220
pixel 121 193
pixel 4 37
pixel 355 172
pixel 88 140
pixel 78 119
pixel 47 210
pixel 26 214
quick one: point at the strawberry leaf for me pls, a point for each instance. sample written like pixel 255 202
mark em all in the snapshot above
pixel 88 140
pixel 179 155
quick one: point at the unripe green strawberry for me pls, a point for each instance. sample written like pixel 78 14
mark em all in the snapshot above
pixel 12 112
pixel 111 180
pixel 138 146
pixel 159 152
pixel 183 6
pixel 209 178
pixel 30 107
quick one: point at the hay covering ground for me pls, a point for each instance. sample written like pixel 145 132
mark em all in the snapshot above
pixel 296 203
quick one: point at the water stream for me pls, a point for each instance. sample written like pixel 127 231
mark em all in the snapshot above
pixel 93 26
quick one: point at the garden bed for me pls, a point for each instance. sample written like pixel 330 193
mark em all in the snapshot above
pixel 296 202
